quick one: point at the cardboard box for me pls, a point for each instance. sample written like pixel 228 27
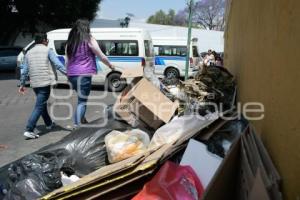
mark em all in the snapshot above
pixel 141 100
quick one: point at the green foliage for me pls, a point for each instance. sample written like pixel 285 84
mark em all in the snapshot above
pixel 160 17
pixel 26 15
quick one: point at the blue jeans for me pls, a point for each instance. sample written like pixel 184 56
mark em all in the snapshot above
pixel 82 85
pixel 40 108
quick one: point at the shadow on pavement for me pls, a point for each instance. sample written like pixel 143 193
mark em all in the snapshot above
pixel 43 131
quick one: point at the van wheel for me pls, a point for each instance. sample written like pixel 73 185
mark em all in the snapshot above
pixel 172 73
pixel 114 82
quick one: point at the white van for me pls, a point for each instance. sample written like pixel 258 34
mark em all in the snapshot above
pixel 124 47
pixel 170 56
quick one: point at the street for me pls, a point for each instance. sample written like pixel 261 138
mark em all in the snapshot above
pixel 15 110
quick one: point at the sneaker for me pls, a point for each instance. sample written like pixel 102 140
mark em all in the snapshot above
pixel 51 126
pixel 30 135
pixel 72 127
pixel 75 127
pixel 84 121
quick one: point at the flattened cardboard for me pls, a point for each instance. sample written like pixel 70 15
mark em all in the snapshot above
pixel 269 165
pixel 246 176
pixel 258 159
pixel 259 190
pixel 95 176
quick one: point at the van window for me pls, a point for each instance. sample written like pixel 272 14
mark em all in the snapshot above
pixel 119 47
pixel 170 50
pixel 60 46
pixel 195 51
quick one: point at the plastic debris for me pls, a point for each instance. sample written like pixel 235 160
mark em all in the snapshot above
pixel 179 127
pixel 122 145
pixel 172 182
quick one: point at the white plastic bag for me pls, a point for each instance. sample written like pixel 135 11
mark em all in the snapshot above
pixel 122 145
pixel 178 93
pixel 66 180
pixel 185 126
pixel 150 76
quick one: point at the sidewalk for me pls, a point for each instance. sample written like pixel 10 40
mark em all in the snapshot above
pixel 15 110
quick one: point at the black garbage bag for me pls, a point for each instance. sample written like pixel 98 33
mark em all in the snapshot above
pixel 82 152
pixel 33 176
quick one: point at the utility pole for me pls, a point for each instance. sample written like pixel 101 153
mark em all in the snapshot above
pixel 187 63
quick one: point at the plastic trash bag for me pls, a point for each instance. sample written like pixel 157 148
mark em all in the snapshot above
pixel 33 176
pixel 67 180
pixel 172 182
pixel 186 125
pixel 122 145
pixel 150 76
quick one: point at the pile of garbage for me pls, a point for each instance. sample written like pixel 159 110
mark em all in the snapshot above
pixel 212 89
pixel 149 117
pixel 56 165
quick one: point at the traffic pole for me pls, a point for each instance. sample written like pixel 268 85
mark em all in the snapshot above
pixel 187 63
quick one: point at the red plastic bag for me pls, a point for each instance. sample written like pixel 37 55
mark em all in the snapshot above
pixel 172 182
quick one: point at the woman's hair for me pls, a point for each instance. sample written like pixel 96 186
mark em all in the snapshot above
pixel 78 34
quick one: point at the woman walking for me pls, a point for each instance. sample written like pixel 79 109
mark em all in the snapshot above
pixel 81 49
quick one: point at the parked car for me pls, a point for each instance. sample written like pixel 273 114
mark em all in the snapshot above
pixel 8 58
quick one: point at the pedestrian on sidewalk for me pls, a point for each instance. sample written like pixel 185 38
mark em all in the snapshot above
pixel 39 64
pixel 81 51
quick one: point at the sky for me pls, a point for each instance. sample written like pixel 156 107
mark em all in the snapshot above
pixel 142 9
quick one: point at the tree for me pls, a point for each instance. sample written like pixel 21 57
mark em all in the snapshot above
pixel 158 18
pixel 180 18
pixel 209 14
pixel 25 16
pixel 171 17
